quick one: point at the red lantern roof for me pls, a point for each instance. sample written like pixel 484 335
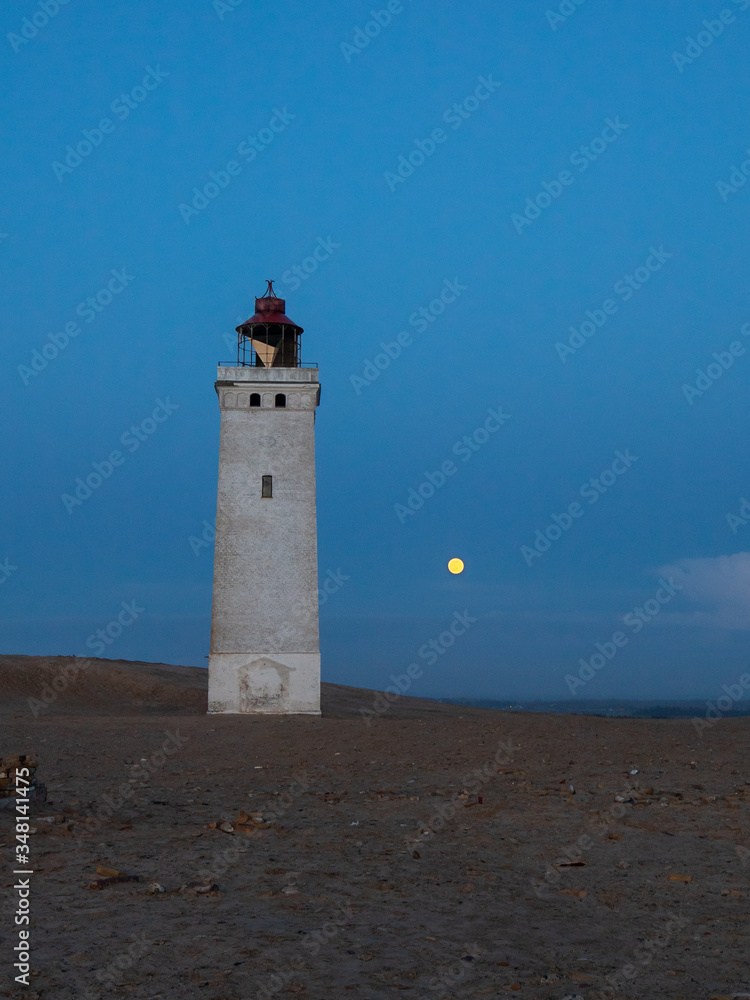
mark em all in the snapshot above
pixel 269 309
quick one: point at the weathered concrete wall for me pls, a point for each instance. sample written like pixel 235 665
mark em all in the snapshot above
pixel 265 684
pixel 265 652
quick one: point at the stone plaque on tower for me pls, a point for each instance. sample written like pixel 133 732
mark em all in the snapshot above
pixel 265 651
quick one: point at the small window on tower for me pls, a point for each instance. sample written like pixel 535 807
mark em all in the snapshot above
pixel 280 399
pixel 255 399
pixel 266 489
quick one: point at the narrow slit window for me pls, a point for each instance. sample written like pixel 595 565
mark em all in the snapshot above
pixel 266 489
pixel 280 399
pixel 255 399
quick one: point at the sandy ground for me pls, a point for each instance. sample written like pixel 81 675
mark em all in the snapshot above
pixel 376 870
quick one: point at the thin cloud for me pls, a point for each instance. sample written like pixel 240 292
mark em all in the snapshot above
pixel 718 586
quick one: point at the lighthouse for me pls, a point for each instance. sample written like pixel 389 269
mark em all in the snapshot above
pixel 265 649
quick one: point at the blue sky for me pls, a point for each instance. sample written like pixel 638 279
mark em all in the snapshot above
pixel 560 164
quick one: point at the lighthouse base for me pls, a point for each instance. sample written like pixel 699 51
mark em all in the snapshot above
pixel 264 683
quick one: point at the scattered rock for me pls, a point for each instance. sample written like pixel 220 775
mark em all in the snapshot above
pixel 199 888
pixel 102 883
pixel 107 872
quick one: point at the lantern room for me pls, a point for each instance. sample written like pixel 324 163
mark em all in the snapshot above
pixel 269 339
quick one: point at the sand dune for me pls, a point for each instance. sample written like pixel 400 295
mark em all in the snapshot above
pixel 436 852
pixel 83 686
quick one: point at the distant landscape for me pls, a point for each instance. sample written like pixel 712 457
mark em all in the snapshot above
pixel 613 708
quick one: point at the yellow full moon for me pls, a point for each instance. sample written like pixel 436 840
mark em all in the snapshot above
pixel 456 565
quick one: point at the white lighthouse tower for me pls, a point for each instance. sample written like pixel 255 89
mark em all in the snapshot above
pixel 265 651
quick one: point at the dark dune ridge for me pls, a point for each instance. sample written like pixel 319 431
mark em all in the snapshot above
pixel 132 687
